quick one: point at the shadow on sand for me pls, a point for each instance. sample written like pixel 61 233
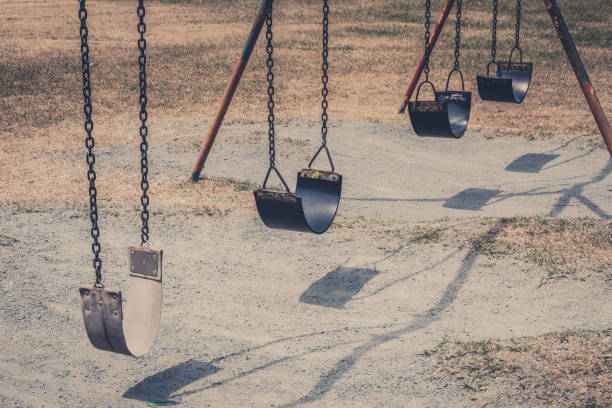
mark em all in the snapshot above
pixel 337 287
pixel 162 387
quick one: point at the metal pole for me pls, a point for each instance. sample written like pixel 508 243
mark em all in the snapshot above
pixel 229 91
pixel 580 71
pixel 432 43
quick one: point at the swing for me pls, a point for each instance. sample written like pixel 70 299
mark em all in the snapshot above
pixel 314 204
pixel 103 314
pixel 512 79
pixel 448 114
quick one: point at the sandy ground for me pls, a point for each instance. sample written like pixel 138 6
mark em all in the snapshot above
pixel 262 318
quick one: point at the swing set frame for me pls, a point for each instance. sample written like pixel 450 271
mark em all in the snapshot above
pixel 551 6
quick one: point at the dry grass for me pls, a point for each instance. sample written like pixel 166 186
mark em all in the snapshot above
pixel 563 248
pixel 568 369
pixel 576 248
pixel 193 46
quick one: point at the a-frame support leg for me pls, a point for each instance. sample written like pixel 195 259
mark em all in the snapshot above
pixel 580 71
pixel 229 91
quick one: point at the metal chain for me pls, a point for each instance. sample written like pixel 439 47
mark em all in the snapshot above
pixel 144 131
pixel 270 77
pixel 427 36
pixel 324 77
pixel 457 35
pixel 90 143
pixel 517 35
pixel 494 38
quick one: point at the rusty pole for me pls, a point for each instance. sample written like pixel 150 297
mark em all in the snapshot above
pixel 432 43
pixel 229 91
pixel 580 71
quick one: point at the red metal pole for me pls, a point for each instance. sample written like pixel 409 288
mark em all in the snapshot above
pixel 580 71
pixel 432 43
pixel 229 91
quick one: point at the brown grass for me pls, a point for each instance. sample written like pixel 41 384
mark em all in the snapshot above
pixel 563 248
pixel 568 369
pixel 193 45
pixel 576 248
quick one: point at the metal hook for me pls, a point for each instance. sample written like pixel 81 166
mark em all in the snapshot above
pixel 419 89
pixel 279 176
pixel 331 162
pixel 489 66
pixel 512 51
pixel 460 74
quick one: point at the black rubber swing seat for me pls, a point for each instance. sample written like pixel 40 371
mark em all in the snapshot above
pixel 312 208
pixel 446 116
pixel 509 85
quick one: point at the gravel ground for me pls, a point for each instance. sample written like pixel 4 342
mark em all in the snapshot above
pixel 264 318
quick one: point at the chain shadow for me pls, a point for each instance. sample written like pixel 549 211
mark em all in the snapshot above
pixel 339 286
pixel 475 199
pixel 163 386
pixel 577 192
pixel 328 379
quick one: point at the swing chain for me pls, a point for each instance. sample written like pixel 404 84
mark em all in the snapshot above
pixel 324 90
pixel 458 35
pixel 90 143
pixel 494 38
pixel 517 34
pixel 324 77
pixel 144 130
pixel 427 35
pixel 270 77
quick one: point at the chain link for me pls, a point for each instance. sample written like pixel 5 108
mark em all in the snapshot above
pixel 144 130
pixel 457 35
pixel 427 36
pixel 270 77
pixel 494 35
pixel 324 77
pixel 517 35
pixel 90 143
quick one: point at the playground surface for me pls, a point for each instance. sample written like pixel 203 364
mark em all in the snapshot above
pixel 464 273
pixel 260 317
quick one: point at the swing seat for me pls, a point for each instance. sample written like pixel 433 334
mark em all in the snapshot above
pixel 311 209
pixel 509 85
pixel 447 116
pixel 103 314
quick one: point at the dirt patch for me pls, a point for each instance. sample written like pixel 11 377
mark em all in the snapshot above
pixel 564 248
pixel 567 369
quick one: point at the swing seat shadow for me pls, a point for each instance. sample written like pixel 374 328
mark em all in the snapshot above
pixel 161 387
pixel 471 199
pixel 531 162
pixel 337 287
